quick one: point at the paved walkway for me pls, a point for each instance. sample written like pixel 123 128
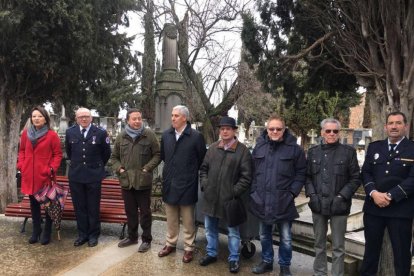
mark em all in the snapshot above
pixel 17 257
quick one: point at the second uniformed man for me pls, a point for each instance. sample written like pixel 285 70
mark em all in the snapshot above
pixel 388 178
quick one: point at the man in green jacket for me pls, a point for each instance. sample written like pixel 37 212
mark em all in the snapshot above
pixel 135 155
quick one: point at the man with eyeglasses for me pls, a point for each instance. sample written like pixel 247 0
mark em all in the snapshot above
pixel 388 177
pixel 278 177
pixel 332 177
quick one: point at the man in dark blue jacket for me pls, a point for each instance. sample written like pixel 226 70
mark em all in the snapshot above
pixel 332 179
pixel 388 175
pixel 182 150
pixel 278 177
pixel 88 150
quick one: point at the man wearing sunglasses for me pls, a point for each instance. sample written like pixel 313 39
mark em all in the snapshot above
pixel 279 175
pixel 388 177
pixel 332 177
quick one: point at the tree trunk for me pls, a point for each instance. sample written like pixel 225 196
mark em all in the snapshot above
pixel 148 66
pixel 378 114
pixel 10 117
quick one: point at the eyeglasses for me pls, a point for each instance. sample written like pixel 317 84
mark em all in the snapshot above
pixel 336 131
pixel 83 117
pixel 273 129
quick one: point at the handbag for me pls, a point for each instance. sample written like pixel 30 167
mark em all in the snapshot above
pixel 235 212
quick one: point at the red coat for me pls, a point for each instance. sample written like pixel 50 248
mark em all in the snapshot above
pixel 35 163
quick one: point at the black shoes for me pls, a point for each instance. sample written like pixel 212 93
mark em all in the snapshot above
pixel 263 267
pixel 47 232
pixel 93 242
pixel 80 241
pixel 127 242
pixel 285 271
pixel 34 238
pixel 144 247
pixel 207 259
pixel 234 266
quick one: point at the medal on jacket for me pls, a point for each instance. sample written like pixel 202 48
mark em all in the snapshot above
pixel 376 156
pixel 93 140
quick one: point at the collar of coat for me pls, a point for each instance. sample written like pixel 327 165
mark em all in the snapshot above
pixel 186 131
pixel 232 148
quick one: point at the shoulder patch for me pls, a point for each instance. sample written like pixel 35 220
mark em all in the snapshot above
pixel 107 140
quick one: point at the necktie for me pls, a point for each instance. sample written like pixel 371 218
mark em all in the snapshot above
pixel 83 132
pixel 392 147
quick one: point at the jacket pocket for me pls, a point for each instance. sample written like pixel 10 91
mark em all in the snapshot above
pixel 258 161
pixel 315 204
pixel 256 204
pixel 315 166
pixel 286 166
pixel 340 168
pixel 145 179
pixel 124 180
pixel 284 200
pixel 339 206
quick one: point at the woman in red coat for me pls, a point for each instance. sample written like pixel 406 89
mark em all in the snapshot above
pixel 39 154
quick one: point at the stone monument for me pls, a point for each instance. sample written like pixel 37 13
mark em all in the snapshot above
pixel 170 85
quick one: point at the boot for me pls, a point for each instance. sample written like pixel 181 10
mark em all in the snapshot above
pixel 285 271
pixel 36 220
pixel 45 238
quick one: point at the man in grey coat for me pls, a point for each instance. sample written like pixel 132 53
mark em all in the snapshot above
pixel 225 174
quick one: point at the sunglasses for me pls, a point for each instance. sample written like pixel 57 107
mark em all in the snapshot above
pixel 336 131
pixel 273 129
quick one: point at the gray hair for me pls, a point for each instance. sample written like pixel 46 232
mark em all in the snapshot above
pixel 183 110
pixel 330 120
pixel 80 109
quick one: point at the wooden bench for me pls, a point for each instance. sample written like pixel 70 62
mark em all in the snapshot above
pixel 112 205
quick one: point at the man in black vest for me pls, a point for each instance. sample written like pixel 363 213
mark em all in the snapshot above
pixel 88 150
pixel 388 176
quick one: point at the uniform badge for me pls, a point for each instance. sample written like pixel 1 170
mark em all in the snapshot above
pixel 376 156
pixel 93 140
pixel 107 140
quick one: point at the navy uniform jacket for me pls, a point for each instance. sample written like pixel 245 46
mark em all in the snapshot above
pixel 392 173
pixel 87 156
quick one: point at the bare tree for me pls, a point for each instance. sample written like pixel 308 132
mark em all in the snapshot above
pixel 207 55
pixel 375 40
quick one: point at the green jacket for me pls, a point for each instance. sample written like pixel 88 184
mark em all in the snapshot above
pixel 135 157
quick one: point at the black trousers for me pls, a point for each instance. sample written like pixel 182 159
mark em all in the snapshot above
pixel 399 230
pixel 134 200
pixel 86 198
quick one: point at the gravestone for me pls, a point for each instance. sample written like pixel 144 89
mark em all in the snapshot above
pixel 170 85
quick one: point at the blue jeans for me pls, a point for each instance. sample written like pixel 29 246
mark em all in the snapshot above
pixel 285 247
pixel 212 234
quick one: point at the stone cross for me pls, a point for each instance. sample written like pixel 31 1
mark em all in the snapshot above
pixel 312 134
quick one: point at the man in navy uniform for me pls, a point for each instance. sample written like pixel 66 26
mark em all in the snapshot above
pixel 388 176
pixel 88 150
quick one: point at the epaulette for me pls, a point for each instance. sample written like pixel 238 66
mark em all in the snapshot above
pixel 73 126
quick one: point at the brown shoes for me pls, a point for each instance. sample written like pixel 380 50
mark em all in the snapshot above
pixel 127 242
pixel 167 250
pixel 188 256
